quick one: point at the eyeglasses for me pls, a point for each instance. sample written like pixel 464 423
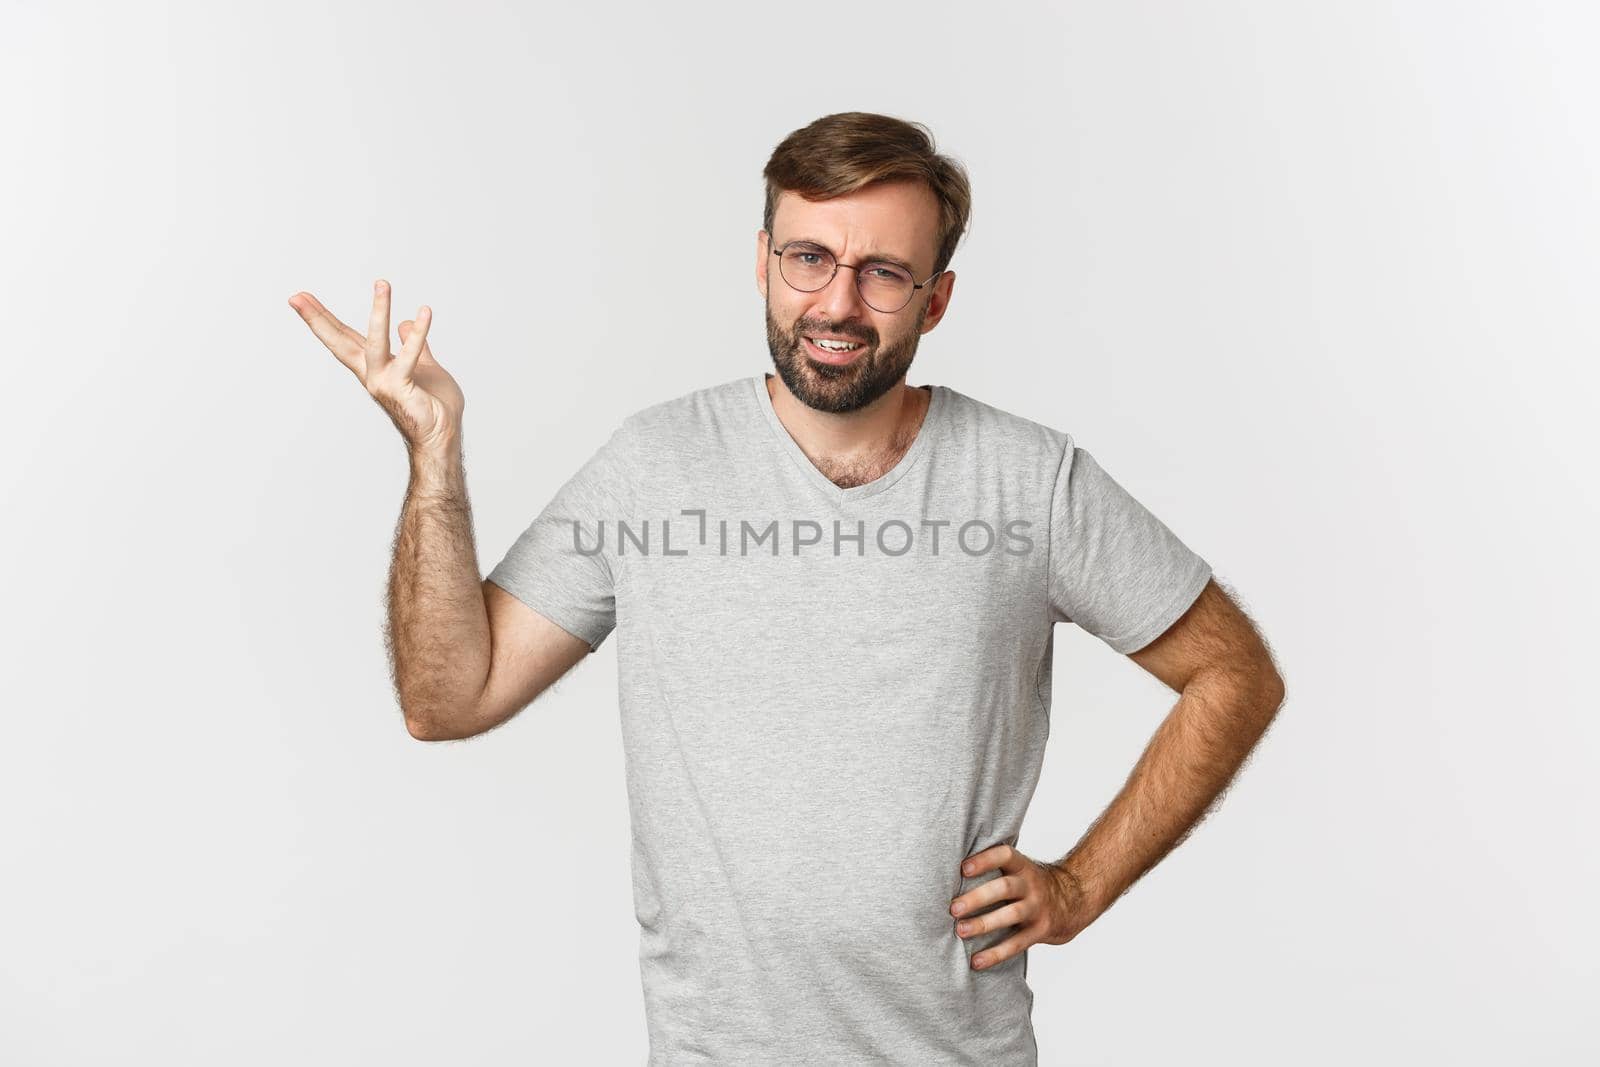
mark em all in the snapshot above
pixel 808 267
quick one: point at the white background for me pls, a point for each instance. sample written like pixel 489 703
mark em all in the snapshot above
pixel 1315 281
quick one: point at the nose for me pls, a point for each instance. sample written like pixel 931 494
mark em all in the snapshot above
pixel 840 299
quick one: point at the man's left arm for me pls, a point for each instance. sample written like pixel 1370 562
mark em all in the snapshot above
pixel 1230 693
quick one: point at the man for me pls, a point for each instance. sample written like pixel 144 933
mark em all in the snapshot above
pixel 834 596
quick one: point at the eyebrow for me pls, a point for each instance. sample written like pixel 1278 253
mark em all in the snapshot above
pixel 882 257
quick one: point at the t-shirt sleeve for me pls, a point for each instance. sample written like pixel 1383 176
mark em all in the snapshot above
pixel 1116 570
pixel 564 564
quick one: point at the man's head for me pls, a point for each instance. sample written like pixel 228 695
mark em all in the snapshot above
pixel 872 191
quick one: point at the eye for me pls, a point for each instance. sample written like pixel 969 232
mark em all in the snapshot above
pixel 884 273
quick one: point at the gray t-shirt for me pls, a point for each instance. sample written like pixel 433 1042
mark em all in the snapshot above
pixel 830 698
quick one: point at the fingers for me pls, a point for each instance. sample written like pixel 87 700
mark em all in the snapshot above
pixel 364 355
pixel 1003 856
pixel 411 351
pixel 1011 946
pixel 427 349
pixel 1022 913
pixel 1006 887
pixel 340 339
pixel 1014 914
pixel 376 348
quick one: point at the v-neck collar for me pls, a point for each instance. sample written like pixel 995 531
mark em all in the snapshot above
pixel 835 493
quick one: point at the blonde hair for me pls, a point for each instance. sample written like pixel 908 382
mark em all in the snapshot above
pixel 841 153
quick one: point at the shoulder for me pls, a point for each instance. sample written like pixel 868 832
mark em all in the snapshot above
pixel 1002 435
pixel 688 422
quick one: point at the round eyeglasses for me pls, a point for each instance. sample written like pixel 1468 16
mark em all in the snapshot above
pixel 886 287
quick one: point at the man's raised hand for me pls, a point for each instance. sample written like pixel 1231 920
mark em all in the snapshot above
pixel 418 395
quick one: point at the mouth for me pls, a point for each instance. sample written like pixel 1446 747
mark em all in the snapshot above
pixel 837 357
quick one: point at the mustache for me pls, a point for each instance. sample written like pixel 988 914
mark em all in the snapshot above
pixel 806 329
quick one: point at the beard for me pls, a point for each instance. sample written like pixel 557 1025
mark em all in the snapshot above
pixel 826 387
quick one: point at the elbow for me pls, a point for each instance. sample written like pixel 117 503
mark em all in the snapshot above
pixel 1256 694
pixel 428 725
pixel 1277 690
pixel 1262 684
pixel 422 730
pixel 448 722
pixel 1272 695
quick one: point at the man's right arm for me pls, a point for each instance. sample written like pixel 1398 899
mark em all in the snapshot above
pixel 466 655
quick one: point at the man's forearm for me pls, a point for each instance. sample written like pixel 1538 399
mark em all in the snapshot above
pixel 438 626
pixel 1189 762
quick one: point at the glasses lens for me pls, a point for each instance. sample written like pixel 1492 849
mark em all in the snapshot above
pixel 806 267
pixel 885 286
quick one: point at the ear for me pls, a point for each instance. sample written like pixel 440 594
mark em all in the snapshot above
pixel 939 301
pixel 763 254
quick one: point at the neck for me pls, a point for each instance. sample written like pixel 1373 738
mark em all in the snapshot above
pixel 853 447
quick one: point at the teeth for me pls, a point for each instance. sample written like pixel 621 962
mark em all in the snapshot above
pixel 835 346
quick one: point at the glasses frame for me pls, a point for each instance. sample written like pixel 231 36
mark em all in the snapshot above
pixel 915 285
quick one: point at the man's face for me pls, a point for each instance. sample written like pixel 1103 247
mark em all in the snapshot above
pixel 900 220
